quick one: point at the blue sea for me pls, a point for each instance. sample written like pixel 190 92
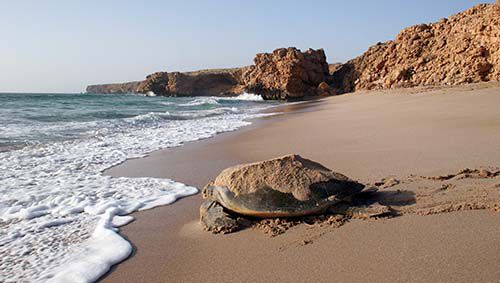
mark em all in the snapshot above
pixel 59 215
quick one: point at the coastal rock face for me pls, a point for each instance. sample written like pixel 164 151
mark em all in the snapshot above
pixel 287 73
pixel 130 87
pixel 332 68
pixel 462 49
pixel 157 83
pixel 219 82
pixel 206 83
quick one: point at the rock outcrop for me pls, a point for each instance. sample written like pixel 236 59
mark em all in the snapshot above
pixel 225 82
pixel 287 73
pixel 217 82
pixel 156 82
pixel 462 49
pixel 332 68
pixel 130 87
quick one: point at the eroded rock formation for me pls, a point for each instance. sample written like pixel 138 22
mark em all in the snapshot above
pixel 225 82
pixel 462 49
pixel 156 82
pixel 220 82
pixel 287 73
pixel 129 87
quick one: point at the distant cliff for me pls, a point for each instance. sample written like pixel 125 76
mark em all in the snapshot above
pixel 217 82
pixel 286 73
pixel 130 87
pixel 462 49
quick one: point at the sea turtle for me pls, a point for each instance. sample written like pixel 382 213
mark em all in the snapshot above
pixel 289 186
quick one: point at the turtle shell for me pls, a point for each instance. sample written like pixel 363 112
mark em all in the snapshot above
pixel 282 187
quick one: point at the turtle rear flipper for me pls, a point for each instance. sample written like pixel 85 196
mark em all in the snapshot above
pixel 363 211
pixel 215 219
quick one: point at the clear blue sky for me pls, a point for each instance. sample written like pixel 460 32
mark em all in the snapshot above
pixel 61 46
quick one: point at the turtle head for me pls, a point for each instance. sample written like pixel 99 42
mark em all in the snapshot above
pixel 208 191
pixel 216 193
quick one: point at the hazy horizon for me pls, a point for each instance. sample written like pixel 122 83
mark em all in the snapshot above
pixel 62 47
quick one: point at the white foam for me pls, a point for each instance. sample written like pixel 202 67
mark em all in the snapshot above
pixel 59 214
pixel 119 221
pixel 202 101
pixel 55 222
pixel 246 96
pixel 167 103
pixel 103 249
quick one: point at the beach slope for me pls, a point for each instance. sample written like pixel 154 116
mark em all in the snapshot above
pixel 367 136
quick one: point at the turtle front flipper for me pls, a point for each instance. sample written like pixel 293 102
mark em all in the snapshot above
pixel 215 219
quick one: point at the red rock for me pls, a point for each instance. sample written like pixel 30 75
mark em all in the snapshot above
pixel 287 73
pixel 156 82
pixel 462 49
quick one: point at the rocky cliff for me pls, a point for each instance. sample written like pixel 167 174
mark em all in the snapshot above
pixel 217 82
pixel 211 83
pixel 288 73
pixel 130 87
pixel 282 74
pixel 462 49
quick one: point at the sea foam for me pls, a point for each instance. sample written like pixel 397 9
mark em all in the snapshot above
pixel 60 216
pixel 248 97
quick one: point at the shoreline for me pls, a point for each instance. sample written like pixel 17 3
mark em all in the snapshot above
pixel 278 112
pixel 168 240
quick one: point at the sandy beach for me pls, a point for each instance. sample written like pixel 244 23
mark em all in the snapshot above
pixel 367 136
pixel 169 141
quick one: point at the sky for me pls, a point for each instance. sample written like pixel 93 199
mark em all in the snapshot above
pixel 62 46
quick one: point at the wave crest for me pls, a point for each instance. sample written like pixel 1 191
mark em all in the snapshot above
pixel 247 97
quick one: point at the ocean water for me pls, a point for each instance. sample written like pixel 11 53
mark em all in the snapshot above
pixel 59 216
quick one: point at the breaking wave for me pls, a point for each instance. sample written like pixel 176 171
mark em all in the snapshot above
pixel 56 206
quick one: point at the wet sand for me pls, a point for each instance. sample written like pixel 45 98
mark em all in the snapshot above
pixel 367 136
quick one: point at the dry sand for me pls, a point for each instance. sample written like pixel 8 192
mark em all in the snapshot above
pixel 399 134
